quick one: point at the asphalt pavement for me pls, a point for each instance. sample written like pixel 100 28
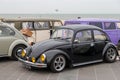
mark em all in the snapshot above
pixel 14 70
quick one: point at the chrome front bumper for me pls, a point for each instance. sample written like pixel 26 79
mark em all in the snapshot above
pixel 31 64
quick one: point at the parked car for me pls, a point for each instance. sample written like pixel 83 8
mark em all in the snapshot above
pixel 110 26
pixel 11 41
pixel 70 45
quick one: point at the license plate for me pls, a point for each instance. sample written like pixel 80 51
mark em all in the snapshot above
pixel 27 66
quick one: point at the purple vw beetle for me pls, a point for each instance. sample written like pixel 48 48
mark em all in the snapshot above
pixel 110 26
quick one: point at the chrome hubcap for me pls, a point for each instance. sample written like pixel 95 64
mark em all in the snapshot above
pixel 111 54
pixel 59 63
pixel 18 50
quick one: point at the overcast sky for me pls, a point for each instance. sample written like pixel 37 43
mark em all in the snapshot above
pixel 63 6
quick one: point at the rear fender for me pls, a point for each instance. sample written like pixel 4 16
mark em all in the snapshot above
pixel 107 46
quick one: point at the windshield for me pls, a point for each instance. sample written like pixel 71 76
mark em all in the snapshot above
pixel 63 34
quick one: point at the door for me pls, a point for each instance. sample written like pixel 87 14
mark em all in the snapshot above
pixel 83 47
pixel 6 38
pixel 100 39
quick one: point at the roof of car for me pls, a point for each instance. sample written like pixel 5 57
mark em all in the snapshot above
pixel 79 27
pixel 93 19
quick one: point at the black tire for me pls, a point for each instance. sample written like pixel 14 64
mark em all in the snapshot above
pixel 110 55
pixel 14 52
pixel 58 63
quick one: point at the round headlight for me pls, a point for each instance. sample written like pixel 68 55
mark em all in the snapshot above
pixel 33 59
pixel 42 57
pixel 23 53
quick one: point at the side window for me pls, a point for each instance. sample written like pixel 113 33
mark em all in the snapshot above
pixel 83 36
pixel 98 24
pixel 36 25
pixel 99 36
pixel 6 31
pixel 118 25
pixel 109 25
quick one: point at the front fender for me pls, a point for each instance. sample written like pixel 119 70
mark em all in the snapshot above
pixel 15 43
pixel 107 46
pixel 52 53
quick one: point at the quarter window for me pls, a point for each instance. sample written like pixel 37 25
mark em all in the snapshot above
pixel 6 31
pixel 99 36
pixel 98 24
pixel 83 36
pixel 109 25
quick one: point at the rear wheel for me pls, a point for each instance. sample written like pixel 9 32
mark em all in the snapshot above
pixel 58 63
pixel 16 50
pixel 110 55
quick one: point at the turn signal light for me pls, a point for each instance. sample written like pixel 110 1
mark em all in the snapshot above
pixel 42 57
pixel 33 59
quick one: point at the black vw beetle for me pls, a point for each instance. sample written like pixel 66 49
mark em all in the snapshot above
pixel 70 46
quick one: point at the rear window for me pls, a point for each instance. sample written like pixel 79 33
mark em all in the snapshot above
pixel 98 24
pixel 109 25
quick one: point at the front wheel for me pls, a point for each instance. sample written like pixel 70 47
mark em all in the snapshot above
pixel 110 55
pixel 15 51
pixel 58 63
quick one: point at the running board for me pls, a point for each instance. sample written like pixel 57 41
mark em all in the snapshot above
pixel 79 64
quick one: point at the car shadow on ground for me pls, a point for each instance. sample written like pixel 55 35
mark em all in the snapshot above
pixel 5 59
pixel 85 66
pixel 47 70
pixel 36 70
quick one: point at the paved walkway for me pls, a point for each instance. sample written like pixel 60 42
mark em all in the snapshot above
pixel 13 70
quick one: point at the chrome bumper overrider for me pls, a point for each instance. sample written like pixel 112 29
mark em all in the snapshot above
pixel 28 63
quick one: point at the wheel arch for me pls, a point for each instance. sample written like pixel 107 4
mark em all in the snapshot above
pixel 16 43
pixel 107 46
pixel 52 53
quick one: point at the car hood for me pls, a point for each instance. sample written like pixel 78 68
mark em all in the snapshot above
pixel 43 46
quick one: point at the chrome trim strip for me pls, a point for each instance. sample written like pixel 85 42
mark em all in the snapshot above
pixel 28 63
pixel 79 64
